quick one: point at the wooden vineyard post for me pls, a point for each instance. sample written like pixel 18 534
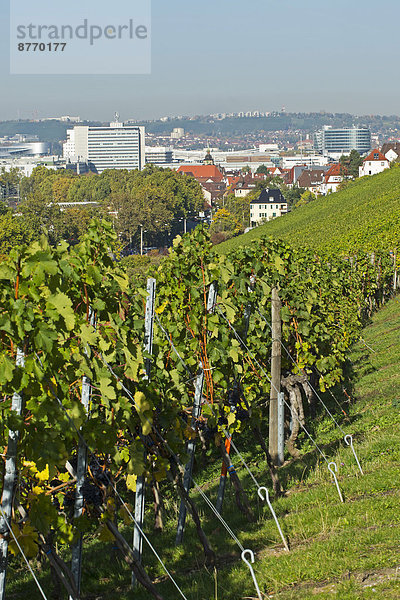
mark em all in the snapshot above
pixel 9 483
pixel 395 269
pixel 224 468
pixel 191 446
pixel 140 496
pixel 81 469
pixel 275 376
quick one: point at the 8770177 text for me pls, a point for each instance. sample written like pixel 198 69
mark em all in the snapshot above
pixel 42 47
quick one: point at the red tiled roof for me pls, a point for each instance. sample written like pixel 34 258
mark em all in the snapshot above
pixel 336 170
pixel 201 171
pixel 274 171
pixel 375 155
pixel 233 179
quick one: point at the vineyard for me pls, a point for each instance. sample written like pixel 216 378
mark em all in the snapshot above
pixel 365 216
pixel 104 395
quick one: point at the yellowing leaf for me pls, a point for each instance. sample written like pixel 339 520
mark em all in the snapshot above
pixel 231 418
pixel 161 308
pixel 131 482
pixel 141 402
pixel 146 427
pixel 43 475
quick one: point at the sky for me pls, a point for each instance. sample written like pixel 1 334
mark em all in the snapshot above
pixel 228 56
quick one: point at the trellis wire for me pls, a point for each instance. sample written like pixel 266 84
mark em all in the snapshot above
pixel 9 481
pixel 82 439
pixel 23 554
pixel 345 435
pixel 228 436
pixel 198 488
pixel 191 445
pixel 288 406
pixel 176 458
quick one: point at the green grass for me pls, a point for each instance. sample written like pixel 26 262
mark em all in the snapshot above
pixel 338 551
pixel 364 216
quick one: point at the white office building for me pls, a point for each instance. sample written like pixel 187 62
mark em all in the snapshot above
pixel 159 155
pixel 118 146
pixel 69 146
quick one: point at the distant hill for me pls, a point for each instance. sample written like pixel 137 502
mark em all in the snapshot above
pixel 364 216
pixel 47 131
pixel 206 125
pixel 308 122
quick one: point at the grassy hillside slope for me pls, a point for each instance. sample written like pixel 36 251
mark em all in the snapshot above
pixel 338 551
pixel 364 216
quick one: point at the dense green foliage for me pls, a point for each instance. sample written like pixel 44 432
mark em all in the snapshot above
pixel 47 295
pixel 156 199
pixel 363 217
pixel 338 551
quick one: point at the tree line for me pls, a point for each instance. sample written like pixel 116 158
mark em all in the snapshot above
pixel 154 199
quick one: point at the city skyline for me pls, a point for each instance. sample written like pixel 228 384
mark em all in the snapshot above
pixel 228 57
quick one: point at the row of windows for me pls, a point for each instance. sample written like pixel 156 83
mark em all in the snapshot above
pixel 271 206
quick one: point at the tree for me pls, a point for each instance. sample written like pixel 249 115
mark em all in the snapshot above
pixel 292 195
pixel 154 198
pixel 351 163
pixel 226 224
pixel 13 232
pixel 262 170
pixel 239 207
pixel 10 178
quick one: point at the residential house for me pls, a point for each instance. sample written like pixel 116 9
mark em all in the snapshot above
pixel 312 179
pixel 333 178
pixel 374 163
pixel 243 185
pixel 269 205
pixel 391 150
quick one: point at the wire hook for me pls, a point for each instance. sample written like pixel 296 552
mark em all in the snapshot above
pixel 266 499
pixel 349 441
pixel 244 559
pixel 335 478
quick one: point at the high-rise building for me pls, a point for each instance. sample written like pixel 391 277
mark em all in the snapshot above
pixel 158 155
pixel 330 140
pixel 118 146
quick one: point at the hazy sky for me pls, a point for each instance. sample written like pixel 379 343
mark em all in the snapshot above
pixel 231 55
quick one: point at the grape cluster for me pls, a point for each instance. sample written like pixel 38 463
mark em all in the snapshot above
pixel 91 493
pixel 69 498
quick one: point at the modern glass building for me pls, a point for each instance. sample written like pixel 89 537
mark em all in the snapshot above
pixel 330 140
